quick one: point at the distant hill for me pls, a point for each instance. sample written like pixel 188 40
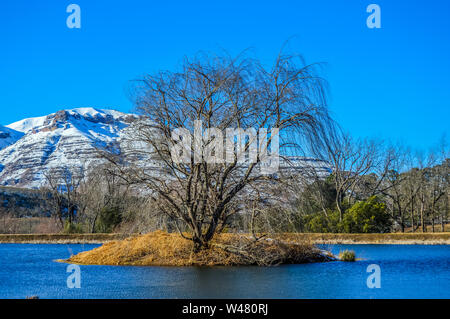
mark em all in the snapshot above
pixel 20 201
pixel 67 138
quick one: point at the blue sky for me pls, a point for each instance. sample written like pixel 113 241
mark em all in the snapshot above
pixel 391 83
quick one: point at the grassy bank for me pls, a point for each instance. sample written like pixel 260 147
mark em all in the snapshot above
pixel 388 238
pixel 313 238
pixel 169 249
pixel 60 238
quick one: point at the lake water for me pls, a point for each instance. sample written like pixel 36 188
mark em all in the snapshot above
pixel 407 271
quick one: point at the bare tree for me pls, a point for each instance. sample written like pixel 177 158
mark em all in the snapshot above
pixel 61 192
pixel 435 184
pixel 223 93
pixel 100 191
pixel 350 160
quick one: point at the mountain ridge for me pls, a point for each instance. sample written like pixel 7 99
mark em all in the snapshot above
pixel 66 138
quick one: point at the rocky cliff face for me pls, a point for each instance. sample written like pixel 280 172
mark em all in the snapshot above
pixel 67 138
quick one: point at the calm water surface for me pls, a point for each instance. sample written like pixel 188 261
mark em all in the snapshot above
pixel 407 271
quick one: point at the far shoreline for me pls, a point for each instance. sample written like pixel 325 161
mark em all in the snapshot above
pixel 313 238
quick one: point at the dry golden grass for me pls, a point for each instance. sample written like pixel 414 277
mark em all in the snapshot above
pixel 309 238
pixel 429 229
pixel 163 249
pixel 387 238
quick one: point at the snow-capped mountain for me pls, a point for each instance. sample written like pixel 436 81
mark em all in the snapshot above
pixel 70 138
pixel 8 136
pixel 67 138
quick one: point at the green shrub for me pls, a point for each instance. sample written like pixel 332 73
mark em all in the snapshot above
pixel 368 216
pixel 108 219
pixel 347 255
pixel 319 223
pixel 73 228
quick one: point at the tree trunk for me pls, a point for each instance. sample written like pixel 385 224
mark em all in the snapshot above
pixel 199 244
pixel 340 212
pixel 338 206
pixel 93 223
pixel 422 223
pixel 432 217
pixel 402 219
pixel 442 223
pixel 432 223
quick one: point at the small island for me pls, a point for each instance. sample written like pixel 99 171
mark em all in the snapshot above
pixel 169 249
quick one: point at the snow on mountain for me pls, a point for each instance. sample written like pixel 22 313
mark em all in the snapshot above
pixel 27 124
pixel 67 138
pixel 8 136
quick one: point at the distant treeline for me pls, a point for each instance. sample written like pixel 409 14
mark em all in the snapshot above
pixel 394 198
